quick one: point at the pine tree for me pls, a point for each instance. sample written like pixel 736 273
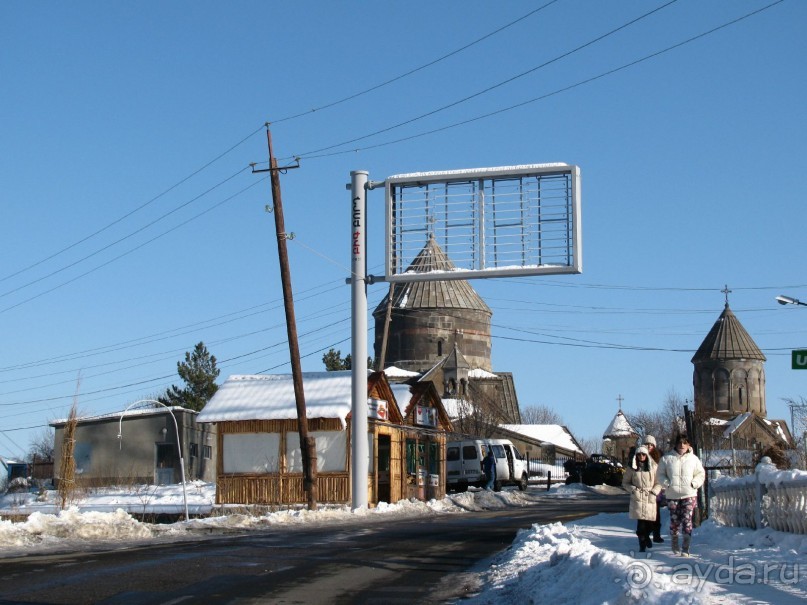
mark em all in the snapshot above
pixel 333 361
pixel 199 372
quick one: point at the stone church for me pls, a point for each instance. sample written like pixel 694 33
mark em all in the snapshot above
pixel 440 331
pixel 729 389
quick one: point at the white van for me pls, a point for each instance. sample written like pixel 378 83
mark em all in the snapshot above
pixel 464 464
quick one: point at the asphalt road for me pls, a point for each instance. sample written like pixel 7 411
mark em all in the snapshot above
pixel 424 560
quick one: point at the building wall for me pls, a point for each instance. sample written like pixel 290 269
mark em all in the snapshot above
pixel 418 339
pixel 731 387
pixel 280 481
pixel 103 459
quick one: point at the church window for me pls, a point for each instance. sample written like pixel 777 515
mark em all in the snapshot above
pixel 721 381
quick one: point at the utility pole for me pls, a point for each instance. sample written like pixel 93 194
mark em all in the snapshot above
pixel 382 359
pixel 307 444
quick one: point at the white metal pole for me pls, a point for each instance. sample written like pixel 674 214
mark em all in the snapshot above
pixel 358 350
pixel 179 444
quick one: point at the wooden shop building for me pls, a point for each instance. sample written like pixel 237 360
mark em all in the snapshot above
pixel 260 461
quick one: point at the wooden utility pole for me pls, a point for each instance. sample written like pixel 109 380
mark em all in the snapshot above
pixel 307 444
pixel 382 359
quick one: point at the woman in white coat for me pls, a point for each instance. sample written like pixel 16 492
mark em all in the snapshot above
pixel 640 481
pixel 681 473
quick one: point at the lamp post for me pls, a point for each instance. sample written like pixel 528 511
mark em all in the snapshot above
pixel 179 444
pixel 787 300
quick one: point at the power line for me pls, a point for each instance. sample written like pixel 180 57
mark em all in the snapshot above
pixel 260 128
pixel 415 70
pixel 547 95
pixel 489 88
pixel 126 237
pixel 130 251
pixel 139 208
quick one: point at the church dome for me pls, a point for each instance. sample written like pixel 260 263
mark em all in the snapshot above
pixel 428 318
pixel 728 340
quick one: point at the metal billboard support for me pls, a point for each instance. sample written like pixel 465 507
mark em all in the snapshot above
pixel 358 349
pixel 470 206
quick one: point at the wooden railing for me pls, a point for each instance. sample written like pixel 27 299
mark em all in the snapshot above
pixel 768 498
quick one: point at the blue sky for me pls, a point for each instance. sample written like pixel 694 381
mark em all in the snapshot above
pixel 133 227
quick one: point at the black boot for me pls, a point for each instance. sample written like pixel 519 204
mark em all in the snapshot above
pixel 648 542
pixel 642 544
pixel 657 538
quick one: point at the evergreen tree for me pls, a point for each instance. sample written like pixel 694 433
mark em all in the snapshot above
pixel 199 372
pixel 333 361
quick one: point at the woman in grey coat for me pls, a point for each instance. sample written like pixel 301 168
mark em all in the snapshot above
pixel 640 482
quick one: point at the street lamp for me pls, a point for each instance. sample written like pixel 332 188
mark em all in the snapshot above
pixel 179 444
pixel 787 300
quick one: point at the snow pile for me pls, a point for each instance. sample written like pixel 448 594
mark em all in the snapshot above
pixel 72 526
pixel 767 474
pixel 594 561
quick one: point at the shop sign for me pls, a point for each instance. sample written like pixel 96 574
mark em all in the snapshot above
pixel 425 416
pixel 377 408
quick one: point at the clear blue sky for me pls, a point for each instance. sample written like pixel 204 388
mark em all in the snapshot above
pixel 124 243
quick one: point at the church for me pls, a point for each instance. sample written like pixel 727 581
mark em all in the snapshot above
pixel 439 331
pixel 730 413
pixel 729 391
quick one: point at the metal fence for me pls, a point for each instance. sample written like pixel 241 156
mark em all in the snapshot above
pixel 546 467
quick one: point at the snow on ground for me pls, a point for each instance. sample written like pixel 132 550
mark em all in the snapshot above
pixel 587 562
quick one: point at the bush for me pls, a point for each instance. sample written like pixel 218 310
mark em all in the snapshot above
pixel 777 455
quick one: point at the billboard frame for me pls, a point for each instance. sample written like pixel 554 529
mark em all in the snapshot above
pixel 480 178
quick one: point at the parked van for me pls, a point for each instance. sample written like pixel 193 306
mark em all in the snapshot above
pixel 464 464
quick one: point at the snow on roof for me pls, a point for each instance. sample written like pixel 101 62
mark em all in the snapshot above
pixel 144 411
pixel 396 372
pixel 734 424
pixel 480 373
pixel 777 427
pixel 555 434
pixel 402 395
pixel 455 408
pixel 271 397
pixel 619 427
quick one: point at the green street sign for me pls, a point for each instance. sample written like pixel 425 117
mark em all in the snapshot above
pixel 800 359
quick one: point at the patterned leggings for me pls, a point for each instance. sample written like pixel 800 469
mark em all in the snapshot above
pixel 681 514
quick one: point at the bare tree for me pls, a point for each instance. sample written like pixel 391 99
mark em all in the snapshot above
pixel 540 414
pixel 664 423
pixel 41 447
pixel 591 445
pixel 478 415
pixel 799 428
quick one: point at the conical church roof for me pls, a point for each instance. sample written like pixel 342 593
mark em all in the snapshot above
pixel 728 340
pixel 619 427
pixel 451 294
pixel 456 359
